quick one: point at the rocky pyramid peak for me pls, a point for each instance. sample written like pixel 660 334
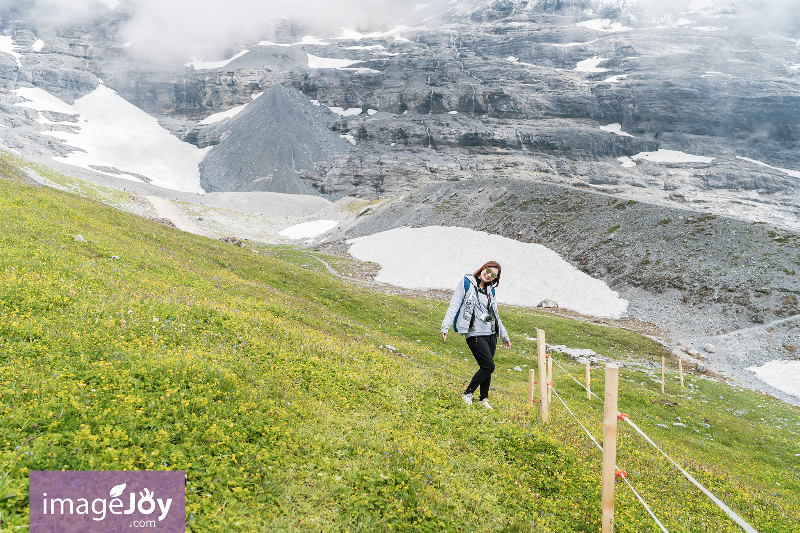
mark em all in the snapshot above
pixel 277 142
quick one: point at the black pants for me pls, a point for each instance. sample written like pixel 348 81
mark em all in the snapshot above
pixel 483 348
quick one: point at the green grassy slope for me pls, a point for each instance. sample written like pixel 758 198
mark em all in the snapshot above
pixel 269 384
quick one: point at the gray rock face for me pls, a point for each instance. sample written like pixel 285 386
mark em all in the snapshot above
pixel 487 89
pixel 694 272
pixel 277 143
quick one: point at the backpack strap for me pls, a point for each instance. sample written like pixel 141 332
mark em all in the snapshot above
pixel 458 313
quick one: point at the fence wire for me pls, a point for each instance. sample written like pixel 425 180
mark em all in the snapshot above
pixel 730 512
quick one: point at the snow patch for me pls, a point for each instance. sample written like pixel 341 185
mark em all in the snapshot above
pixel 310 39
pixel 328 62
pixel 590 65
pixel 115 133
pixel 615 128
pixel 626 161
pixel 435 257
pixel 793 173
pixel 346 112
pixel 38 45
pixel 308 229
pixel 783 375
pixel 230 113
pixel 615 78
pixel 110 3
pixel 671 156
pixel 349 137
pixel 567 45
pixel 270 43
pixel 199 64
pixel 371 47
pixel 7 47
pixel 603 25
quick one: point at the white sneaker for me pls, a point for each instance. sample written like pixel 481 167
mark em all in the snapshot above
pixel 467 398
pixel 485 403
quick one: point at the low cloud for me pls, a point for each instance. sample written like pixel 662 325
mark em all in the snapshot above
pixel 174 31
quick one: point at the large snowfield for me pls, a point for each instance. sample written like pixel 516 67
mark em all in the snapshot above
pixel 783 375
pixel 437 257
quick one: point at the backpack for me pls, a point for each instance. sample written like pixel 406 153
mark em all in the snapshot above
pixel 458 313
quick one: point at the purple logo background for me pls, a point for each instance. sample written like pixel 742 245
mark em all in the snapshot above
pixel 107 501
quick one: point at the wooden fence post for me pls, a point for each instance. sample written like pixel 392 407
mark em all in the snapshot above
pixel 540 344
pixel 549 379
pixel 662 374
pixel 680 367
pixel 609 447
pixel 588 382
pixel 531 380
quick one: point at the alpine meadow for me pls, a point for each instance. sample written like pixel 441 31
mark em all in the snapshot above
pixel 295 400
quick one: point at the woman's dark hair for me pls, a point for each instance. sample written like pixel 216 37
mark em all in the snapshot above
pixel 494 264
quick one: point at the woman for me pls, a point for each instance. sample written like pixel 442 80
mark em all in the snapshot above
pixel 473 313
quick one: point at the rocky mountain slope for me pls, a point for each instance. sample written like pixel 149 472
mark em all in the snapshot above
pixel 272 145
pixel 470 89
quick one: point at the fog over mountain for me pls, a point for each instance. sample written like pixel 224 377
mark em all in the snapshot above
pixel 171 30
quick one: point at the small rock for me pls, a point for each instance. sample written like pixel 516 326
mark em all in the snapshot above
pixel 663 426
pixel 80 238
pixel 115 257
pixel 710 348
pixel 391 348
pixel 704 425
pixel 548 304
pixel 679 424
pixel 701 368
pixel 517 369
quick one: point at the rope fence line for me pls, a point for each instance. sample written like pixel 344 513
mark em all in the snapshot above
pixel 624 477
pixel 730 512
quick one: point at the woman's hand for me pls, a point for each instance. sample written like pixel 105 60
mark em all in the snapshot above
pixel 444 336
pixel 506 344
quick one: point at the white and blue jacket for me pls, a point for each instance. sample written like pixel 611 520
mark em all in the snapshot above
pixel 461 312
